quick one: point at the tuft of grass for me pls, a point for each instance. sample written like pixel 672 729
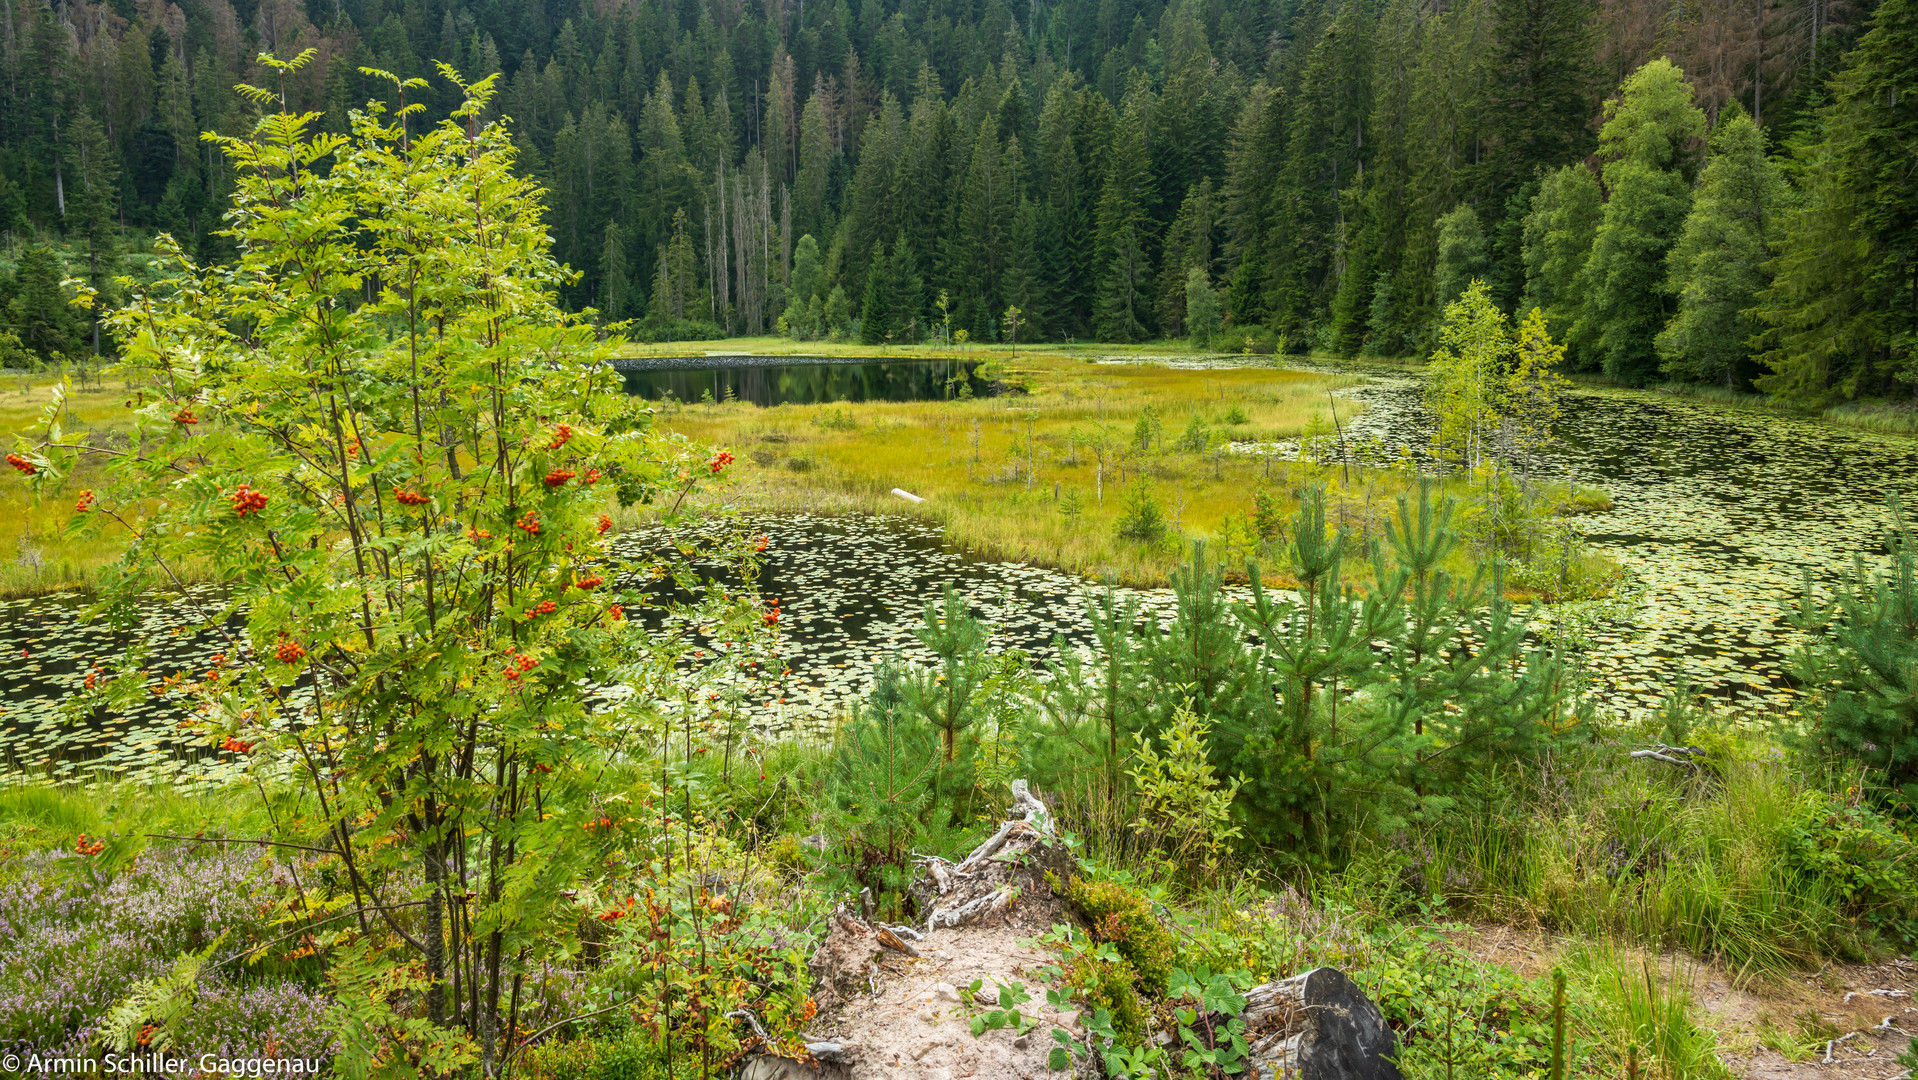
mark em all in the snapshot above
pixel 1893 419
pixel 1649 1013
pixel 1713 863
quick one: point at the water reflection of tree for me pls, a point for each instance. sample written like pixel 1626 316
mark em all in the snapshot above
pixel 810 384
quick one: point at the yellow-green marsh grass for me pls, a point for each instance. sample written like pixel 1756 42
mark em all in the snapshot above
pixel 1043 476
pixel 36 554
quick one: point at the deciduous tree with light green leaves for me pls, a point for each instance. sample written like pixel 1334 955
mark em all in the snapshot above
pixel 1201 308
pixel 1465 384
pixel 1557 240
pixel 1462 253
pixel 1649 143
pixel 1496 392
pixel 1533 388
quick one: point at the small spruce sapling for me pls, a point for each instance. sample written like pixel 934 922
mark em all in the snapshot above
pixel 947 695
pixel 1141 519
pixel 881 783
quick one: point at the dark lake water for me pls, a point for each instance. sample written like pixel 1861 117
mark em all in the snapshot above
pixel 803 382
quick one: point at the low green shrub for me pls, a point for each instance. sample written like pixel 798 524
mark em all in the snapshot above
pixel 1872 865
pixel 1109 985
pixel 1863 663
pixel 623 1056
pixel 1251 338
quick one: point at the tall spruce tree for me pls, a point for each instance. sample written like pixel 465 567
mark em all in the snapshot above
pixel 1718 266
pixel 96 173
pixel 1122 307
pixel 1540 107
pixel 1884 167
pixel 39 313
pixel 1841 316
pixel 615 285
pixel 876 303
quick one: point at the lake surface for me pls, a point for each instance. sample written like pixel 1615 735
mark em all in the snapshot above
pixel 801 380
pixel 1719 513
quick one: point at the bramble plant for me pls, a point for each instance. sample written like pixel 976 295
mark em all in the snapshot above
pixel 1006 1013
pixel 392 451
pixel 1209 1046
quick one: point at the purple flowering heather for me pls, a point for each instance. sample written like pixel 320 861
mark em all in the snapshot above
pixel 76 947
pixel 279 1019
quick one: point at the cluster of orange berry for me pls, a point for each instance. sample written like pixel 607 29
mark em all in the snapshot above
pixel 605 522
pixel 771 618
pixel 412 498
pixel 22 464
pixel 185 416
pixel 233 745
pixel 561 435
pixel 592 476
pixel 723 459
pixel 616 613
pixel 559 476
pixel 85 848
pixel 290 652
pixel 593 582
pixel 519 663
pixel 528 523
pixel 544 607
pixel 247 501
pixel 86 502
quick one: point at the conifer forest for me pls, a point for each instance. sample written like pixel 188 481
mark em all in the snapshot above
pixel 1715 193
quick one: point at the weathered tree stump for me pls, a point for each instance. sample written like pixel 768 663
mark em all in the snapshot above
pixel 1318 1026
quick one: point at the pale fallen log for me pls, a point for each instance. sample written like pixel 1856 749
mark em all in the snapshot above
pixel 993 903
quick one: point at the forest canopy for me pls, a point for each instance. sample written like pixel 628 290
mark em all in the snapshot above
pixel 1712 193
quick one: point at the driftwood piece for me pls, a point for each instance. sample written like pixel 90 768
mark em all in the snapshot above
pixel 1317 1026
pixel 993 903
pixel 1685 757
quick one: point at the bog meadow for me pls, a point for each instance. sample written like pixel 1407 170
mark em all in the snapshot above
pixel 660 540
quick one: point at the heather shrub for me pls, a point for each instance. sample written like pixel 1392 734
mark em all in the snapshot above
pixel 269 1018
pixel 80 939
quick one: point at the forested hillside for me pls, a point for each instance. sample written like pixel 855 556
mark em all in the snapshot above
pixel 1717 192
